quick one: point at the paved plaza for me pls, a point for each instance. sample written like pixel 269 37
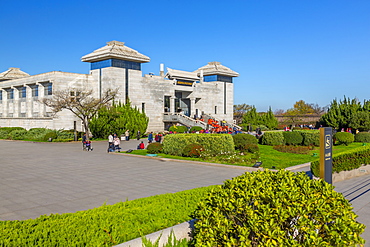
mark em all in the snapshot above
pixel 45 178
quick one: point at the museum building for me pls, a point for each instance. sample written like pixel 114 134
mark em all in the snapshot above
pixel 174 97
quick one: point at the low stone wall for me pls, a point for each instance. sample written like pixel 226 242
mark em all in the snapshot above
pixel 344 175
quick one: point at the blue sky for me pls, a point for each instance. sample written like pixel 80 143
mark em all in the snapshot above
pixel 285 51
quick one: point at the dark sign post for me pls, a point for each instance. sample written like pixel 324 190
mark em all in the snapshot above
pixel 326 154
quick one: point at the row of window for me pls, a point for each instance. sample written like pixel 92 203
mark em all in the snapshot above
pixel 48 90
pixel 34 114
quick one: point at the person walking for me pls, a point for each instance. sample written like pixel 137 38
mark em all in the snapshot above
pixel 138 135
pixel 127 134
pixel 84 139
pixel 150 137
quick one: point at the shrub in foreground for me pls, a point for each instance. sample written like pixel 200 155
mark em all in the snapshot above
pixel 155 148
pixel 107 225
pixel 343 138
pixel 195 129
pixel 178 129
pixel 281 208
pixel 272 138
pixel 17 134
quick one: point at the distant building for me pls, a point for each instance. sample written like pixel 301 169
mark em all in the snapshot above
pixel 175 97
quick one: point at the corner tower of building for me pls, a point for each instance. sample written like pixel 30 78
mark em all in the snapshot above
pixel 115 54
pixel 215 71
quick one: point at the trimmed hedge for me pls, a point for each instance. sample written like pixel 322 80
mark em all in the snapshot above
pixel 281 208
pixel 310 137
pixel 240 140
pixel 214 144
pixel 345 161
pixel 292 138
pixel 17 134
pixel 343 138
pixel 272 138
pixel 362 137
pixel 107 225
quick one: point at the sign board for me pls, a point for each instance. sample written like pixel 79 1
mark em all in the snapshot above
pixel 185 83
pixel 326 161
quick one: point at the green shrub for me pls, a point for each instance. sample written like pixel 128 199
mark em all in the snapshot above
pixel 108 225
pixel 345 161
pixel 37 134
pixel 362 137
pixel 310 137
pixel 155 148
pixel 17 134
pixel 281 208
pixel 214 144
pixel 240 140
pixel 178 129
pixel 195 129
pixel 4 131
pixel 65 134
pixel 292 138
pixel 192 150
pixel 50 135
pixel 272 138
pixel 343 138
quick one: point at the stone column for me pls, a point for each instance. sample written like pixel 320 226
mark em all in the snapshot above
pixel 192 107
pixel 29 101
pixel 172 104
pixel 16 100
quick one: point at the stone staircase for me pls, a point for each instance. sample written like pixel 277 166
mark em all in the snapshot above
pixel 183 119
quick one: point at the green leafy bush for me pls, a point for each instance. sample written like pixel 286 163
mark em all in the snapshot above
pixel 343 138
pixel 345 161
pixel 65 134
pixel 362 137
pixel 178 129
pixel 240 140
pixel 281 208
pixel 214 144
pixel 17 134
pixel 192 150
pixel 108 225
pixel 37 134
pixel 310 137
pixel 155 148
pixel 272 138
pixel 50 135
pixel 292 138
pixel 195 129
pixel 4 131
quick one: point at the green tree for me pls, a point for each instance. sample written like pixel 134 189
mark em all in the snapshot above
pixel 252 117
pixel 117 119
pixel 340 114
pixel 269 119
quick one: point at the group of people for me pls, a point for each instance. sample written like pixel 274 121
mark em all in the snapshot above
pixel 114 141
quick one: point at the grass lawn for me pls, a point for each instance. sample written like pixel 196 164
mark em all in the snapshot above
pixel 270 157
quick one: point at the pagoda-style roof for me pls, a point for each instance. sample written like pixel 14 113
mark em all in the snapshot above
pixel 118 50
pixel 12 73
pixel 181 75
pixel 216 68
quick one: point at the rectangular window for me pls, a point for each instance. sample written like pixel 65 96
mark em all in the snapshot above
pixel 11 93
pixel 1 94
pixel 22 92
pixel 35 90
pixel 48 89
pixel 143 107
pixel 215 109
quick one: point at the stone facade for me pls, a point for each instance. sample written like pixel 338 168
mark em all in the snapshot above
pixel 208 90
